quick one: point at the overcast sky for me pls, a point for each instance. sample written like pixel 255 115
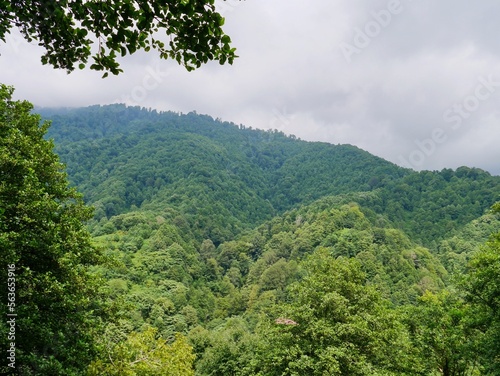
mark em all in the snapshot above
pixel 416 82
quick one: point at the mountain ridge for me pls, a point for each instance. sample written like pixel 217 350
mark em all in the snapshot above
pixel 226 178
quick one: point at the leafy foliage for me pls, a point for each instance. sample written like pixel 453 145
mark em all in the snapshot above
pixel 42 234
pixel 482 285
pixel 245 252
pixel 443 335
pixel 67 30
pixel 337 325
pixel 142 354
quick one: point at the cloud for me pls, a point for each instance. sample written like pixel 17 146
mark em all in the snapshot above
pixel 418 60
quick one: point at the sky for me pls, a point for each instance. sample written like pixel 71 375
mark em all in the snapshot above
pixel 416 82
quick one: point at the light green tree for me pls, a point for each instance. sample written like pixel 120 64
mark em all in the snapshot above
pixel 334 325
pixel 143 354
pixel 442 335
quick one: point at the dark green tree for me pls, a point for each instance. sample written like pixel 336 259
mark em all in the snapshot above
pixel 47 250
pixel 67 29
pixel 482 285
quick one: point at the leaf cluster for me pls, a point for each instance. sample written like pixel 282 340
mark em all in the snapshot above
pixel 189 32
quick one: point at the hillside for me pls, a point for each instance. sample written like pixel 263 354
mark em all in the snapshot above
pixel 221 250
pixel 222 179
pixel 226 298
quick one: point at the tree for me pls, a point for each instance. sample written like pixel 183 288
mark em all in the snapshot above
pixel 334 325
pixel 67 30
pixel 442 335
pixel 45 250
pixel 142 354
pixel 228 350
pixel 482 286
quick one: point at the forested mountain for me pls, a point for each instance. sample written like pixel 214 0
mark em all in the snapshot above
pixel 254 253
pixel 224 178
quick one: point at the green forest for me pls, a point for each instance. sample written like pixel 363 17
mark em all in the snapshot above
pixel 161 243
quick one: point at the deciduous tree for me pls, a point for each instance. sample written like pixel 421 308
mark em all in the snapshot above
pixel 43 238
pixel 143 354
pixel 482 284
pixel 334 325
pixel 67 29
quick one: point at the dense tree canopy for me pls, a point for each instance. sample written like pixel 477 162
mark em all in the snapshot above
pixel 47 249
pixel 482 285
pixel 225 178
pixel 334 325
pixel 192 31
pixel 141 354
pixel 368 269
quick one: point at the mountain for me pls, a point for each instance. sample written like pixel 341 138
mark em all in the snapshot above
pixel 275 256
pixel 223 178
